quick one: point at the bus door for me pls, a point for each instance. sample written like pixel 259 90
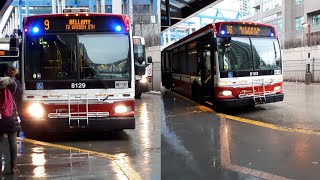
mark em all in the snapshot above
pixel 207 75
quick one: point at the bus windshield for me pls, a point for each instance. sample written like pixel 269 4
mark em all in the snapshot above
pixel 72 56
pixel 139 51
pixel 244 53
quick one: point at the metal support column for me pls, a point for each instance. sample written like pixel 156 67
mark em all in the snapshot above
pixel 63 5
pixel 97 6
pixel 27 7
pixel 59 6
pixel 54 7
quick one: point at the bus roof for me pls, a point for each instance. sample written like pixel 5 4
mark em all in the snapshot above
pixel 216 27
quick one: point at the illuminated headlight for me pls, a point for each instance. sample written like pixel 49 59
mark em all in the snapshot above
pixel 144 79
pixel 277 88
pixel 122 109
pixel 226 93
pixel 36 110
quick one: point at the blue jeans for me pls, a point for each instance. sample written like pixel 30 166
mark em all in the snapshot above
pixel 12 139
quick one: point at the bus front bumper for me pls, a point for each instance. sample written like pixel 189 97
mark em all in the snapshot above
pixel 93 124
pixel 250 101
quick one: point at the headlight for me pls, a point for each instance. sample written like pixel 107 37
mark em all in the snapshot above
pixel 36 110
pixel 144 79
pixel 122 109
pixel 277 88
pixel 226 93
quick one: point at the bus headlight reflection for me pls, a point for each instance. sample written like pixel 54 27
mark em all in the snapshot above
pixel 36 110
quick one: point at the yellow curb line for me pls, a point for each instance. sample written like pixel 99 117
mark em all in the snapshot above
pixel 252 122
pixel 226 157
pixel 127 169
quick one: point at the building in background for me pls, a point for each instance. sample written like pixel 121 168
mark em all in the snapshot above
pixel 288 16
pixel 145 13
pixel 245 7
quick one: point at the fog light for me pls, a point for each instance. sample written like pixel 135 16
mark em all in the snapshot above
pixel 36 110
pixel 277 88
pixel 226 93
pixel 122 109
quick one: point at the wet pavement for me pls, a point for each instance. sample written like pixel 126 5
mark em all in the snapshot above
pixel 139 149
pixel 300 108
pixel 197 143
pixel 46 162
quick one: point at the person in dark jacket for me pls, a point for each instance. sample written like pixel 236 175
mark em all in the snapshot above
pixel 9 126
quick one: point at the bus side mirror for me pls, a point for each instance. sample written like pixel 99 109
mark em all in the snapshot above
pixel 140 60
pixel 149 59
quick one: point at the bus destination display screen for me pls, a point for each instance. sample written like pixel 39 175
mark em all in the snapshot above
pixel 76 24
pixel 246 30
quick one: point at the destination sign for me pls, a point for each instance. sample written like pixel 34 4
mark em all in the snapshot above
pixel 246 30
pixel 76 24
pixel 136 41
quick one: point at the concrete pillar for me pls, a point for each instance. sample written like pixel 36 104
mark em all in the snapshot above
pixel 124 7
pixel 151 7
pixel 116 7
pixel 103 6
pixel 54 7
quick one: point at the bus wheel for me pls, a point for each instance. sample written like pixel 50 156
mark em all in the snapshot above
pixel 196 93
pixel 137 96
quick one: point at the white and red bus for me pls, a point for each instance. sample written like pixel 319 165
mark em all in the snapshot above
pixel 141 65
pixel 227 64
pixel 78 72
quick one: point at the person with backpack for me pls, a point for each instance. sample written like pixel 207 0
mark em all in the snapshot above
pixel 8 123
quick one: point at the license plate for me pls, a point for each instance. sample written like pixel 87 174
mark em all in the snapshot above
pixel 121 84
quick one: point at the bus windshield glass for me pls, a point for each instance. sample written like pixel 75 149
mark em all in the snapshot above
pixel 106 54
pixel 244 53
pixel 139 51
pixel 72 56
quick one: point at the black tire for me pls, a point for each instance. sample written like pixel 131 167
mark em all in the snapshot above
pixel 196 93
pixel 138 96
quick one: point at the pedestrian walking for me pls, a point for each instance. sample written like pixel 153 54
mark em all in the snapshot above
pixel 8 123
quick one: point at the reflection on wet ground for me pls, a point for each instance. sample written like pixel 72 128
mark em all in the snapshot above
pixel 139 148
pixel 44 162
pixel 298 110
pixel 195 145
